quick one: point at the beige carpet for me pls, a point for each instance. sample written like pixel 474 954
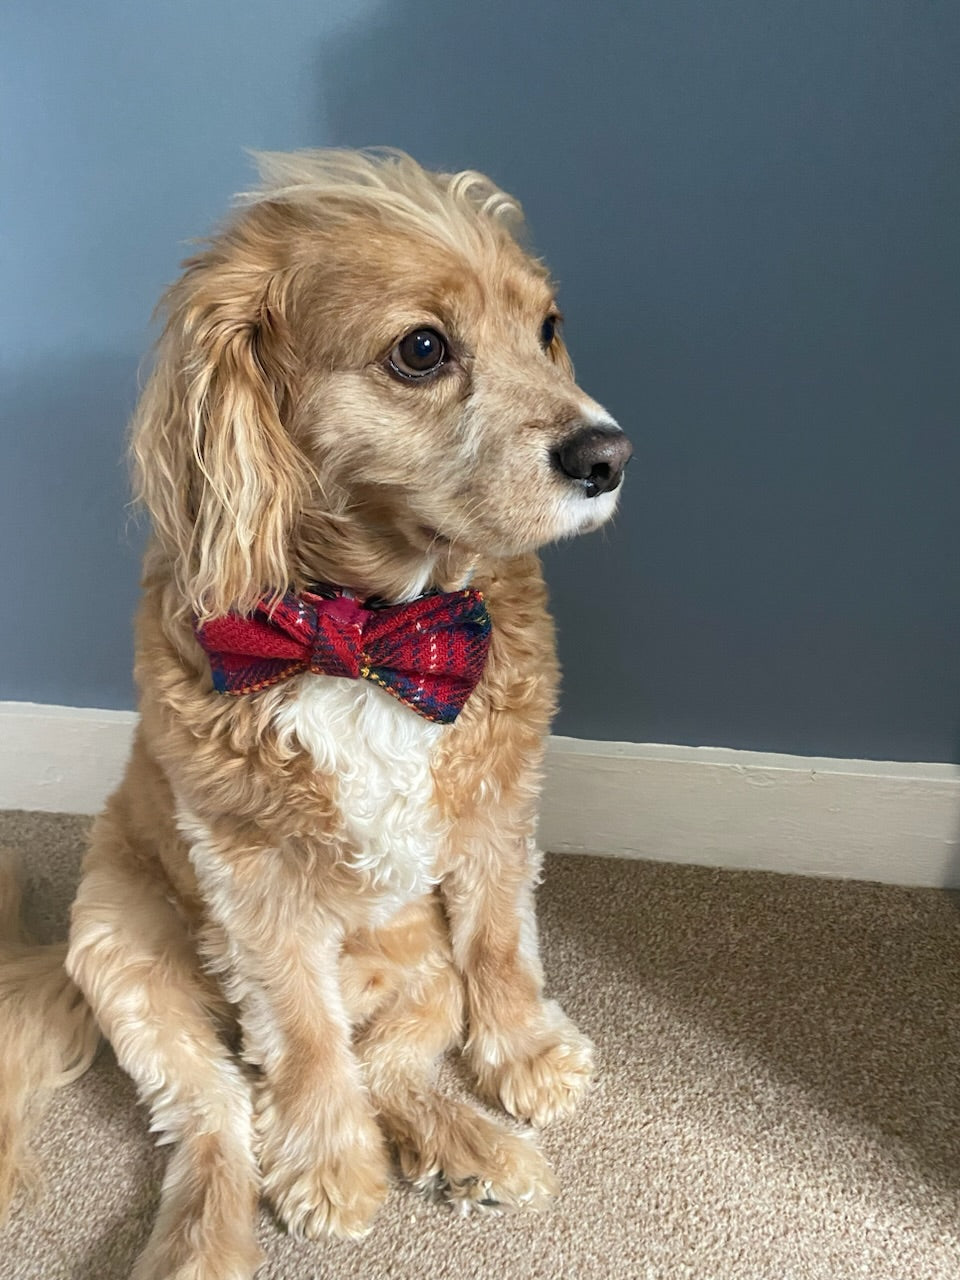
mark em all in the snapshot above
pixel 779 1096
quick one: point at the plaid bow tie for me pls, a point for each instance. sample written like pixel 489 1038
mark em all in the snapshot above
pixel 430 653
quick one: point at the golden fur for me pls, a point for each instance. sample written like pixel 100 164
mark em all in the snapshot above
pixel 298 899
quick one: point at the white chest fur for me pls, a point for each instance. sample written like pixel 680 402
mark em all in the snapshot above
pixel 377 752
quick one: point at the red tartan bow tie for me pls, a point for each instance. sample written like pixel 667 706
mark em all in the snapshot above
pixel 430 653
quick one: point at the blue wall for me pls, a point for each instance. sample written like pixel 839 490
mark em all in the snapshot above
pixel 753 210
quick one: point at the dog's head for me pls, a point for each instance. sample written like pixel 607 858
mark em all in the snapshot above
pixel 363 380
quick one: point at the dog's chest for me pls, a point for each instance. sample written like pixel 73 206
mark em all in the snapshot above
pixel 377 753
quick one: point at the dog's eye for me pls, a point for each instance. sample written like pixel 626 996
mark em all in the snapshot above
pixel 418 354
pixel 548 331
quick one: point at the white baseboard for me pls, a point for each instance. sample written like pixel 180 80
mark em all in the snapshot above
pixel 854 819
pixel 857 819
pixel 61 759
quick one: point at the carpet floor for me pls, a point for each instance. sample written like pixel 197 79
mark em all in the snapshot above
pixel 778 1097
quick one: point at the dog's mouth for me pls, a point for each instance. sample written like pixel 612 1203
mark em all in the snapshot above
pixel 574 507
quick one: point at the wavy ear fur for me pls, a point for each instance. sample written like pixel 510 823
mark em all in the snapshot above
pixel 220 475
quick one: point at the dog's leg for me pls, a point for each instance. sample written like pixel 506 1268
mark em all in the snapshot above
pixel 445 1147
pixel 130 955
pixel 323 1158
pixel 526 1052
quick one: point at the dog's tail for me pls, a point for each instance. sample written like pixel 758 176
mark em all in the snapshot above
pixel 48 1035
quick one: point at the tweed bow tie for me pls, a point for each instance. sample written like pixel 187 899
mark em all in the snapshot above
pixel 429 653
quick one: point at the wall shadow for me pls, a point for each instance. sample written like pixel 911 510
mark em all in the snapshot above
pixel 72 548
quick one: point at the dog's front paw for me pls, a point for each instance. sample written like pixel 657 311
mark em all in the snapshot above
pixel 548 1084
pixel 327 1183
pixel 336 1197
pixel 475 1163
pixel 545 1076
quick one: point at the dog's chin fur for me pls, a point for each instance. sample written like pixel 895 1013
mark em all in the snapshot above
pixel 314 874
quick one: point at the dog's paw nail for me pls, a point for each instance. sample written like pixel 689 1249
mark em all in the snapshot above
pixel 485 1168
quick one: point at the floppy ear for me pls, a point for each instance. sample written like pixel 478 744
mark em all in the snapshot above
pixel 220 475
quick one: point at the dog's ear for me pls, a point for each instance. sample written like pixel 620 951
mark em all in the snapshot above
pixel 223 480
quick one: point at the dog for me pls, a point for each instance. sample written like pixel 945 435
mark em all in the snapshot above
pixel 317 875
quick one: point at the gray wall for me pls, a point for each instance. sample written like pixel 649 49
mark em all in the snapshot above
pixel 753 209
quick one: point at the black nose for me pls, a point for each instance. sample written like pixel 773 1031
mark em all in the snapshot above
pixel 595 457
